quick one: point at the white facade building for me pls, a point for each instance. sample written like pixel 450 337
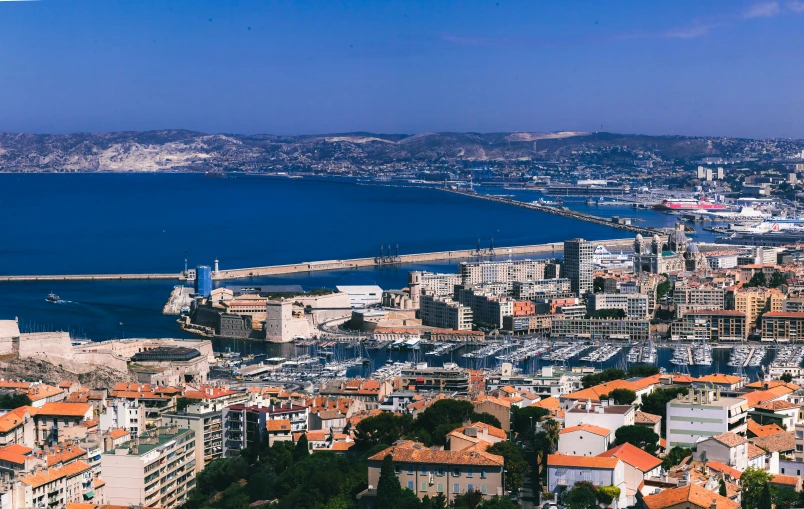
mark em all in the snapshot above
pixel 703 413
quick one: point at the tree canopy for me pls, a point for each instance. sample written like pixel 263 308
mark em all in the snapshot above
pixel 582 496
pixel 620 396
pixel 639 436
pixel 516 465
pixel 656 402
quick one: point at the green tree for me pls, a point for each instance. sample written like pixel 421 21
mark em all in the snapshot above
pixel 485 418
pixel 784 498
pixel 643 370
pixel 469 500
pixel 524 419
pixel 639 436
pixel 621 396
pixel 182 403
pixel 656 402
pixel 663 289
pixel 786 377
pixel 604 376
pixel 765 499
pixel 302 449
pixel 389 491
pixel 598 284
pixel 12 401
pixel 385 428
pixel 260 486
pixel 515 464
pixel 722 490
pixel 607 494
pixel 777 279
pixel 753 481
pixel 757 280
pixel 607 314
pixel 675 456
pixel 499 503
pixel 582 496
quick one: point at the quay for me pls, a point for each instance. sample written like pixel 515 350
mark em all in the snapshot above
pixel 354 263
pixel 571 214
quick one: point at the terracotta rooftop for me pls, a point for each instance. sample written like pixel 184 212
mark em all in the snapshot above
pixel 730 439
pixel 761 430
pixel 589 428
pixel 717 466
pixel 754 451
pixel 646 418
pixel 776 443
pixel 692 494
pixel 277 425
pixel 720 379
pixel 774 406
pixel 414 452
pixel 118 433
pixel 563 460
pixel 633 456
pixel 785 479
pixel 68 409
pixel 9 421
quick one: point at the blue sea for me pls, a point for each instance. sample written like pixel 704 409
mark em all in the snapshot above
pixel 110 223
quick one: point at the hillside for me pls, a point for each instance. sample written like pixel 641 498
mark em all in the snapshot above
pixel 174 150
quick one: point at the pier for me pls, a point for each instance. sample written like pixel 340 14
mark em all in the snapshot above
pixel 571 214
pixel 549 249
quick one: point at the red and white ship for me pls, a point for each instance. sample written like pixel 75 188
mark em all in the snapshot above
pixel 689 204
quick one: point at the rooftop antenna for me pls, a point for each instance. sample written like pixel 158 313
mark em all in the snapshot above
pixel 477 251
pixel 389 252
pixel 396 257
pixel 185 262
pixel 491 247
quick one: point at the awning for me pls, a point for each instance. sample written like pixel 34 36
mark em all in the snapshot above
pixel 88 495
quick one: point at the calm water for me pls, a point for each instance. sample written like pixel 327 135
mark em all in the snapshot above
pixel 86 223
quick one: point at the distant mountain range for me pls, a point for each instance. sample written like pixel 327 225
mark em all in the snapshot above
pixel 187 150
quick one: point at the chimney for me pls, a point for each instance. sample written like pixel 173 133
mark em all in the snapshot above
pixel 611 401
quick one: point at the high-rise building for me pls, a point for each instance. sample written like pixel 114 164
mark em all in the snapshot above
pixel 720 173
pixel 701 172
pixel 578 265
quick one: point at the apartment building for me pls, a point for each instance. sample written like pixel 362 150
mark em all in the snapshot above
pixel 634 305
pixel 440 285
pixel 55 487
pixel 542 289
pixel 156 470
pixel 636 330
pixel 692 296
pixel 429 472
pixel 564 471
pixel 711 325
pixel 445 313
pixel 527 324
pixel 703 413
pixel 505 271
pixel 205 420
pixel 783 326
pixel 551 381
pixel 488 309
pixel 578 265
pixel 754 301
pixel 449 379
pixel 129 415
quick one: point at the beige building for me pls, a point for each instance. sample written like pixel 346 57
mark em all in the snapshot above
pixel 753 301
pixel 445 313
pixel 598 328
pixel 156 470
pixel 783 326
pixel 205 420
pixel 712 325
pixel 425 471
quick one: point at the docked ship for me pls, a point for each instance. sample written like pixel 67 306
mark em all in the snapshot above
pixel 689 204
pixel 217 174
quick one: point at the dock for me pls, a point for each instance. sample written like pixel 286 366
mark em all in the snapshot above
pixel 549 249
pixel 571 214
pixel 179 298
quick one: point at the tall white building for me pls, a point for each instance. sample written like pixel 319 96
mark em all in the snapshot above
pixel 703 413
pixel 506 271
pixel 634 305
pixel 578 265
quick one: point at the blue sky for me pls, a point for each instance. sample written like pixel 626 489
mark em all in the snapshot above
pixel 732 68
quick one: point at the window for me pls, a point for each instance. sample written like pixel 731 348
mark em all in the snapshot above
pixel 397 468
pixel 469 472
pixel 423 469
pixel 440 487
pixel 456 472
pixel 410 485
pixel 484 489
pixel 483 473
pixel 423 486
pixel 439 470
pixel 470 487
pixel 456 488
pixel 410 468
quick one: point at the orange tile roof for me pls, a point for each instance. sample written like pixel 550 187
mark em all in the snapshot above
pixel 589 428
pixel 760 430
pixel 41 478
pixel 720 379
pixel 414 452
pixel 208 393
pixel 43 391
pixel 7 384
pixel 717 466
pixel 773 406
pixel 74 468
pixel 772 384
pixel 119 433
pixel 13 456
pixel 754 451
pixel 785 479
pixel 692 494
pixel 757 397
pixel 548 403
pixel 341 446
pixel 491 430
pixel 730 439
pixel 278 425
pixel 633 456
pixel 9 421
pixel 69 409
pixel 61 454
pixel 646 418
pixel 563 460
pixel 593 393
pixel 779 442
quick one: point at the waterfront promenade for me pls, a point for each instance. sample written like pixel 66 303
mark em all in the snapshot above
pixel 550 249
